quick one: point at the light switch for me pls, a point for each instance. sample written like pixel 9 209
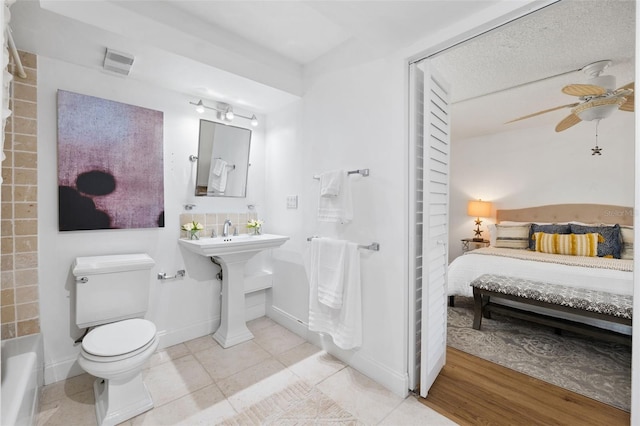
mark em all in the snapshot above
pixel 292 201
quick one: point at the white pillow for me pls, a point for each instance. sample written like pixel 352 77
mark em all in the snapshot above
pixel 493 232
pixel 627 242
pixel 515 237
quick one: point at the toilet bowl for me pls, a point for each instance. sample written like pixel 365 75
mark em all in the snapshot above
pixel 115 353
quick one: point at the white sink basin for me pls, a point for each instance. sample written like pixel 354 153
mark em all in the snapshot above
pixel 222 246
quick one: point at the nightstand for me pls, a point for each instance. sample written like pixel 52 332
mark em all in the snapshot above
pixel 468 244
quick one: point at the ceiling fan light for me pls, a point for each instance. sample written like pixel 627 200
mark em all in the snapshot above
pixel 597 109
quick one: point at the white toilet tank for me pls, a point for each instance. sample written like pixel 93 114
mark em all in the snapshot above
pixel 111 288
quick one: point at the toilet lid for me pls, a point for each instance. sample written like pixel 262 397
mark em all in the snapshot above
pixel 119 337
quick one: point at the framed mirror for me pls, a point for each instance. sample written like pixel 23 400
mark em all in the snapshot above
pixel 223 160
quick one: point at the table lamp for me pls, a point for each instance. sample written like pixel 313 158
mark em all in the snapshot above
pixel 478 209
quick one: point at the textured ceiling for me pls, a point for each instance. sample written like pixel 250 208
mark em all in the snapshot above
pixel 535 57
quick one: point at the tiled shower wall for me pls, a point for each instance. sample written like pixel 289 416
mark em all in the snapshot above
pixel 212 221
pixel 20 307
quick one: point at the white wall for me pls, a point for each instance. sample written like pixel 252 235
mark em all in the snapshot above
pixel 538 166
pixel 349 119
pixel 181 309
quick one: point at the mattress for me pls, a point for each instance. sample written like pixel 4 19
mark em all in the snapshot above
pixel 605 277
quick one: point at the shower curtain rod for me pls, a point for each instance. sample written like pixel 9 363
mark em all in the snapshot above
pixel 14 52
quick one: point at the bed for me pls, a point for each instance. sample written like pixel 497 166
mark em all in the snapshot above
pixel 613 275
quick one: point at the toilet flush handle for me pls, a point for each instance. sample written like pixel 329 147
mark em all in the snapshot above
pixel 82 280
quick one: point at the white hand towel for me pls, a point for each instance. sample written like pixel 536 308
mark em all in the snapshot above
pixel 344 325
pixel 217 183
pixel 338 208
pixel 331 271
pixel 330 183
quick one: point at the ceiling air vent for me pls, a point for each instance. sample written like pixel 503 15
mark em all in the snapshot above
pixel 118 62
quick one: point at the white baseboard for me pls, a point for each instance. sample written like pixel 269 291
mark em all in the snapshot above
pixel 254 312
pixel 192 331
pixel 289 322
pixel 62 370
pixel 396 382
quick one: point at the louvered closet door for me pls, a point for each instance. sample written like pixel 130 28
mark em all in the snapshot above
pixel 435 228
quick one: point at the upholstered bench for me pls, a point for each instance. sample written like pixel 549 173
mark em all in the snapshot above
pixel 598 305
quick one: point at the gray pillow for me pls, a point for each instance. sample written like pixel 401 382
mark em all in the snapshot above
pixel 612 244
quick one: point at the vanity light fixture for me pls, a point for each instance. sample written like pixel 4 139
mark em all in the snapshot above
pixel 225 112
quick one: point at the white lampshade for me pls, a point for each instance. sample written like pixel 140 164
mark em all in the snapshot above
pixel 479 208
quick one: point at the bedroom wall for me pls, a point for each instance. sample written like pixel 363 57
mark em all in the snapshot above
pixel 181 309
pixel 538 166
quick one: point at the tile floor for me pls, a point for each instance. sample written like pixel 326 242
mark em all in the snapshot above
pixel 275 379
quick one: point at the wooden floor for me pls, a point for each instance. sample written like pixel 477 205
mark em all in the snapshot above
pixel 472 391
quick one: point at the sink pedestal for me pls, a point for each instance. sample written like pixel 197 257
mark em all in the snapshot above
pixel 232 254
pixel 233 328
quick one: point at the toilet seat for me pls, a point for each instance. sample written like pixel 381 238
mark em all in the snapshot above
pixel 118 340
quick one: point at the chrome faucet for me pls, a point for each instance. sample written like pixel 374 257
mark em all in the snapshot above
pixel 225 228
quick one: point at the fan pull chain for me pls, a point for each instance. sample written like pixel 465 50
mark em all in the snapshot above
pixel 596 150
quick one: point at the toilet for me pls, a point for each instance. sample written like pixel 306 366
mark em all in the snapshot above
pixel 112 295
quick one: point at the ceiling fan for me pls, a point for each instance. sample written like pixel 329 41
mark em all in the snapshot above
pixel 598 98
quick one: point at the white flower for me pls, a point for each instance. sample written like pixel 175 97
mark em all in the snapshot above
pixel 192 226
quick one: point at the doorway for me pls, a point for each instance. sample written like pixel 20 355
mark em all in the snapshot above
pixel 478 115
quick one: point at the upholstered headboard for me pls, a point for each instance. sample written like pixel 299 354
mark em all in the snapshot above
pixel 587 213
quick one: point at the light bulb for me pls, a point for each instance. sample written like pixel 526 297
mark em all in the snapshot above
pixel 229 114
pixel 254 120
pixel 200 107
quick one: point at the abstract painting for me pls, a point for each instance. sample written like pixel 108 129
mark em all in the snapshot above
pixel 110 164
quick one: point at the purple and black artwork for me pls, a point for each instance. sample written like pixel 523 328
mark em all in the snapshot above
pixel 110 164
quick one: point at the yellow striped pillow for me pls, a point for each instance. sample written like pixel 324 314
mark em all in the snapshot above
pixel 571 244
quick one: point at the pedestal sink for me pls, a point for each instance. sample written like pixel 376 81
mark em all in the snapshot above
pixel 232 253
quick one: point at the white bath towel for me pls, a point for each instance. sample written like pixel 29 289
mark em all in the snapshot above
pixel 344 325
pixel 330 183
pixel 330 273
pixel 338 208
pixel 217 182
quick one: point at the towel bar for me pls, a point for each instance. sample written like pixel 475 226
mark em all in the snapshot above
pixel 372 246
pixel 194 158
pixel 163 275
pixel 363 172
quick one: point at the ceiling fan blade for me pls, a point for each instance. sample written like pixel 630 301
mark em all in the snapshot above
pixel 570 120
pixel 543 112
pixel 583 90
pixel 629 104
pixel 627 86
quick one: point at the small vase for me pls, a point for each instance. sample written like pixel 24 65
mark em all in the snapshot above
pixel 258 231
pixel 193 235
